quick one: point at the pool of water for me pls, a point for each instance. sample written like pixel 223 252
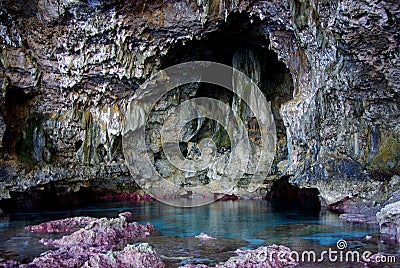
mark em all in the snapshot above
pixel 246 223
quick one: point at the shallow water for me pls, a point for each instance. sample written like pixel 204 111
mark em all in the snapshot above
pixel 245 224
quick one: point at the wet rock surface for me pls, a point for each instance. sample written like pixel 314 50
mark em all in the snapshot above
pixel 76 256
pixel 389 220
pixel 61 226
pixel 104 233
pixel 94 242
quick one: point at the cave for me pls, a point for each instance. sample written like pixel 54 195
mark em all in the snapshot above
pixel 238 39
pixel 77 82
pixel 290 196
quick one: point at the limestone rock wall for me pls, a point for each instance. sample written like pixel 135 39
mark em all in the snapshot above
pixel 343 125
pixel 68 68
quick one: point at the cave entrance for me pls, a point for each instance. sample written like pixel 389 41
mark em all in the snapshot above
pixel 241 44
pixel 283 194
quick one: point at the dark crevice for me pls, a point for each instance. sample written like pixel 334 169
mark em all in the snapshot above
pixel 116 148
pixel 101 152
pixel 304 198
pixel 219 46
pixel 78 145
pixel 47 197
pixel 31 144
pixel 16 112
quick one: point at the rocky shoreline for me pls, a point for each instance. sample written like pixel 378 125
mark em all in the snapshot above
pixel 115 242
pixel 93 242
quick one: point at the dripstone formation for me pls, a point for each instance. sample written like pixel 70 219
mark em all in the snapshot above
pixel 330 70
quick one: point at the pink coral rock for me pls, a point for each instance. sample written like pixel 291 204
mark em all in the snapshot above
pixel 141 255
pixel 68 225
pixel 103 232
pixel 94 243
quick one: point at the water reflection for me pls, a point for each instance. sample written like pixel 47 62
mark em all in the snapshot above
pixel 258 222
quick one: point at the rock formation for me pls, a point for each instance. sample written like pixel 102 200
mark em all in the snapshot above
pixel 94 242
pixel 389 222
pixel 330 70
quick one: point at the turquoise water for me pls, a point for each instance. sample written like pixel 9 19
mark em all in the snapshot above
pixel 251 222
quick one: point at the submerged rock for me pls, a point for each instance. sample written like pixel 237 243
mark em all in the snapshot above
pixel 229 197
pixel 183 250
pixel 263 257
pixel 359 218
pixel 288 231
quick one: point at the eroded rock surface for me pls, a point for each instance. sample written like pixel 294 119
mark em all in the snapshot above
pixel 141 255
pixel 95 243
pixel 104 233
pixel 389 220
pixel 69 68
pixel 61 226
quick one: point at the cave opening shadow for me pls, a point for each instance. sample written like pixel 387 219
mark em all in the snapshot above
pixel 239 34
pixel 285 196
